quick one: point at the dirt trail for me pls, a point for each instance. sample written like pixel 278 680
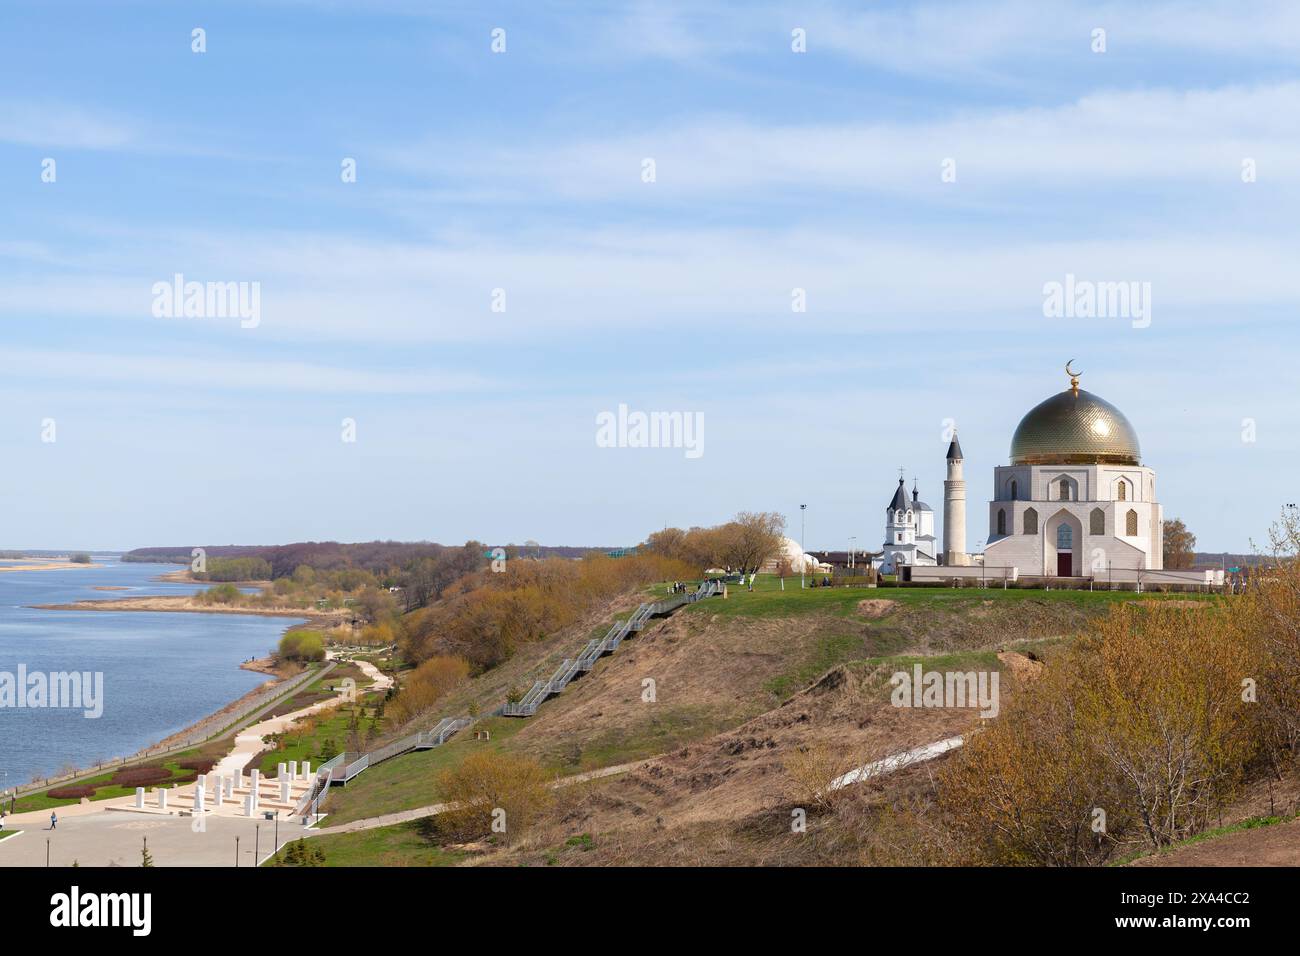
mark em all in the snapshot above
pixel 1277 845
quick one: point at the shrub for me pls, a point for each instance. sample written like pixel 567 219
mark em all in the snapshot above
pixel 488 787
pixel 302 646
pixel 75 792
pixel 140 776
pixel 1144 721
pixel 426 684
pixel 197 764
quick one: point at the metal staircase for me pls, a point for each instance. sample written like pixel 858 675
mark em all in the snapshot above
pixel 345 766
pixel 526 706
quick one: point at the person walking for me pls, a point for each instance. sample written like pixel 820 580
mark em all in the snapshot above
pixel 54 820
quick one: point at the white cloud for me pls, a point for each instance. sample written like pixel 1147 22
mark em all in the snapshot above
pixel 186 372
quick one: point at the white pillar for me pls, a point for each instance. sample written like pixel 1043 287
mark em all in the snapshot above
pixel 250 805
pixel 254 778
pixel 306 769
pixel 162 799
pixel 280 769
pixel 139 798
pixel 230 788
pixel 284 791
pixel 198 797
pixel 218 791
pixel 293 770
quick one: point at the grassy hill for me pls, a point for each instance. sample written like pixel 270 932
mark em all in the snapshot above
pixel 740 684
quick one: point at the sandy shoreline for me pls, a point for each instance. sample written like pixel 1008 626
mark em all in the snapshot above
pixel 47 566
pixel 186 604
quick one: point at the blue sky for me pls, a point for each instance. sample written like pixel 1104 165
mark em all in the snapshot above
pixel 522 170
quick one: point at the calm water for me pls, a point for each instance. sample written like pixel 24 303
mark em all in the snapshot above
pixel 162 672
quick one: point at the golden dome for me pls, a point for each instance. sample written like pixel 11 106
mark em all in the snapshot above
pixel 1075 427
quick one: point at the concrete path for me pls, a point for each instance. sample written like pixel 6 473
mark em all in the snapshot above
pixel 418 813
pixel 248 742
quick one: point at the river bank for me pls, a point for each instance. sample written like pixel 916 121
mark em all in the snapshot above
pixel 186 604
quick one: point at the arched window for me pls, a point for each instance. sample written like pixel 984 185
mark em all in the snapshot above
pixel 1064 537
pixel 1121 492
pixel 1013 489
pixel 1065 489
pixel 1097 522
pixel 1002 521
pixel 1131 523
pixel 1031 521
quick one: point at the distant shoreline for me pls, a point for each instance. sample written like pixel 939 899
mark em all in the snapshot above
pixel 187 605
pixel 47 566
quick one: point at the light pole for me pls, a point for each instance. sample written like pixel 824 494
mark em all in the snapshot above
pixel 803 550
pixel 852 538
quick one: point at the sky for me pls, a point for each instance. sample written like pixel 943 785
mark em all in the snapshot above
pixel 562 208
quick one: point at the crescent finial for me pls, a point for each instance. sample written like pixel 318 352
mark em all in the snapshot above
pixel 1074 377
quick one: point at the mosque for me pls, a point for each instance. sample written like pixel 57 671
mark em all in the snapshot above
pixel 1075 500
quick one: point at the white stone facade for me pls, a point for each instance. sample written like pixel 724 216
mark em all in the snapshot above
pixel 1074 520
pixel 909 532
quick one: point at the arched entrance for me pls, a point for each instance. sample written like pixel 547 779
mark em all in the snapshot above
pixel 1062 545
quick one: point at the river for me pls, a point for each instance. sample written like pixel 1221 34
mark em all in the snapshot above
pixel 161 672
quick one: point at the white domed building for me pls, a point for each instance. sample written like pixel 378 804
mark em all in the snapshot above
pixel 1075 499
pixel 800 562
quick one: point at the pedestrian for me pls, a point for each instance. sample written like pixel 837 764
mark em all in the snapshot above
pixel 54 820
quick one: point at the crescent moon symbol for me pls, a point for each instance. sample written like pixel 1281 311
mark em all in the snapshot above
pixel 1069 371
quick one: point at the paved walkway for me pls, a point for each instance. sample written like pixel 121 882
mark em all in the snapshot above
pixel 108 838
pixel 109 832
pixel 433 809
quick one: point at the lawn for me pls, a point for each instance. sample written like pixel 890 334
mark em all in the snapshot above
pixel 105 790
pixel 403 844
pixel 411 779
pixel 769 600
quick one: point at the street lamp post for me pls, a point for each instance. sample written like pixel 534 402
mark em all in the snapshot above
pixel 803 549
pixel 852 538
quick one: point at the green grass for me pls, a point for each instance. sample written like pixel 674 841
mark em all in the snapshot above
pixel 768 600
pixel 104 791
pixel 831 649
pixel 403 844
pixel 6 834
pixel 411 779
pixel 666 728
pixel 329 727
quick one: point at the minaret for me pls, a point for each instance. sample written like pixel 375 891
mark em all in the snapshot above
pixel 954 509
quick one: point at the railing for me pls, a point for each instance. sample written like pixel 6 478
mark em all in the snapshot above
pixel 618 632
pixel 345 766
pixel 207 729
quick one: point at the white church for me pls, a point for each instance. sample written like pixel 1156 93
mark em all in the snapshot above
pixel 1075 501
